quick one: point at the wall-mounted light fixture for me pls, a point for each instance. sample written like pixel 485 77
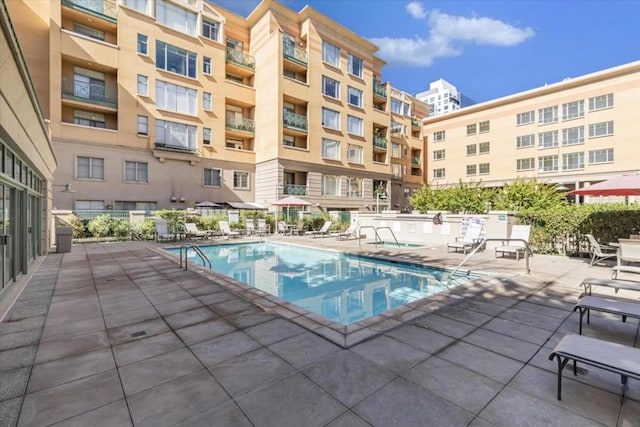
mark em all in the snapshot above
pixel 182 200
pixel 67 188
pixel 174 199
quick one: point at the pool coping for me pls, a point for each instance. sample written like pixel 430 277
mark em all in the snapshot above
pixel 343 335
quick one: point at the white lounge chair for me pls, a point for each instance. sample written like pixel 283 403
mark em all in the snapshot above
pixel 472 237
pixel 324 230
pixel 250 227
pixel 192 231
pixel 162 231
pixel 628 255
pixel 599 252
pixel 262 227
pixel 513 246
pixel 226 230
pixel 353 232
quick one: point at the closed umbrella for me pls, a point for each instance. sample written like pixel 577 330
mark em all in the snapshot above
pixel 623 185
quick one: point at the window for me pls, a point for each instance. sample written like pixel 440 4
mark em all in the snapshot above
pixel 548 163
pixel 176 135
pixel 206 65
pixel 89 168
pixel 525 141
pixel 484 126
pixel 206 101
pixel 396 171
pixel 330 87
pixel 600 102
pixel 572 161
pixel 234 143
pixel 330 119
pixel 472 150
pixel 354 154
pixel 600 129
pixel 438 173
pixel 396 106
pixel 439 136
pixel 89 31
pixel 92 205
pixel 330 149
pixel 241 180
pixel 143 125
pixel 601 156
pixel 176 17
pixel 396 150
pixel 212 177
pixel 179 99
pixel 355 65
pixel 471 129
pixel 525 118
pixel 143 44
pixel 548 139
pixel 136 172
pixel 121 205
pixel 330 185
pixel 526 164
pixel 354 96
pixel 143 85
pixel 573 110
pixel 396 129
pixel 176 60
pixel 86 118
pixel 330 54
pixel 210 29
pixel 471 170
pixel 288 141
pixel 206 136
pixel 439 155
pixel 484 147
pixel 354 125
pixel 354 187
pixel 483 168
pixel 548 115
pixel 141 6
pixel 571 136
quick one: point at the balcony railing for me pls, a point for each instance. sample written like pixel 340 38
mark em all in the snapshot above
pixel 105 9
pixel 380 141
pixel 240 58
pixel 295 54
pixel 241 124
pixel 415 123
pixel 295 121
pixel 416 160
pixel 94 93
pixel 379 90
pixel 296 190
pixel 171 147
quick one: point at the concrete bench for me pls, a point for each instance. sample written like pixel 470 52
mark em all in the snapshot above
pixel 624 308
pixel 628 285
pixel 612 357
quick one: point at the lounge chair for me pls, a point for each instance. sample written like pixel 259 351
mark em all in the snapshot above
pixel 298 230
pixel 162 232
pixel 192 231
pixel 250 228
pixel 353 232
pixel 472 237
pixel 226 231
pixel 628 253
pixel 262 227
pixel 599 252
pixel 324 230
pixel 627 285
pixel 612 357
pixel 513 246
pixel 283 228
pixel 620 307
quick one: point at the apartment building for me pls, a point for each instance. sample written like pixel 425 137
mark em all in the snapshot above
pixel 443 98
pixel 26 164
pixel 159 103
pixel 574 133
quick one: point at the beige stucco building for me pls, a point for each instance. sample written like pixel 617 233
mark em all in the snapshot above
pixel 575 132
pixel 157 103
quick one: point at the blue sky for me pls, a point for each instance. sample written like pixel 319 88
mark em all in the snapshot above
pixel 488 49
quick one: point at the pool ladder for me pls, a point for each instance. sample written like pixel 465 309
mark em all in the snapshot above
pixel 185 250
pixel 378 239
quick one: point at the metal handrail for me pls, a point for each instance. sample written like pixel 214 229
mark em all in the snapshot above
pixel 197 250
pixel 484 242
pixel 377 235
pixel 392 234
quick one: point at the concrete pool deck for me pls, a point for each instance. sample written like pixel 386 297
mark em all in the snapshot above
pixel 117 334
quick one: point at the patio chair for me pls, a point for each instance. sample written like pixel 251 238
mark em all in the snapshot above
pixel 472 237
pixel 599 252
pixel 191 230
pixel 162 232
pixel 262 227
pixel 299 229
pixel 353 232
pixel 324 230
pixel 226 231
pixel 283 228
pixel 520 232
pixel 628 254
pixel 250 228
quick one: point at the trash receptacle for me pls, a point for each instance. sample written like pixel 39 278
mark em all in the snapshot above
pixel 63 239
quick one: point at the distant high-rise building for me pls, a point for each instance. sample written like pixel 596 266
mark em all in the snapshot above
pixel 443 98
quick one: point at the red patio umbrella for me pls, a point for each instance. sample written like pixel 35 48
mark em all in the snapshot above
pixel 291 201
pixel 624 185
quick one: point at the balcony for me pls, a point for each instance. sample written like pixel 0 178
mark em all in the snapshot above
pixel 240 124
pixel 171 147
pixel 295 54
pixel 92 93
pixel 380 142
pixel 379 90
pixel 240 62
pixel 295 121
pixel 415 123
pixel 295 190
pixel 103 9
pixel 416 160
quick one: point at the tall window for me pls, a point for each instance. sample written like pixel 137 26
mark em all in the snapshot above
pixel 600 102
pixel 241 180
pixel 484 126
pixel 206 65
pixel 571 136
pixel 573 110
pixel 179 99
pixel 526 164
pixel 548 139
pixel 354 154
pixel 548 115
pixel 330 185
pixel 143 125
pixel 355 125
pixel 330 149
pixel 525 118
pixel 439 136
pixel 573 161
pixel 355 65
pixel 396 150
pixel 330 54
pixel 472 170
pixel 206 136
pixel 141 6
pixel 175 59
pixel 439 173
pixel 396 171
pixel 396 106
pixel 90 168
pixel 176 17
pixel 601 129
pixel 210 29
pixel 136 172
pixel 354 96
pixel 330 87
pixel 176 135
pixel 548 163
pixel 525 141
pixel 143 85
pixel 471 129
pixel 212 177
pixel 206 101
pixel 354 187
pixel 91 119
pixel 439 155
pixel 601 156
pixel 143 44
pixel 330 119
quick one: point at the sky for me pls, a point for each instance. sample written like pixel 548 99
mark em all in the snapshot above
pixel 487 49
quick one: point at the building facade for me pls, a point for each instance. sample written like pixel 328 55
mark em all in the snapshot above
pixel 160 103
pixel 26 163
pixel 574 133
pixel 443 98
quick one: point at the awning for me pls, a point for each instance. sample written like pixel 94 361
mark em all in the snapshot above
pixel 246 205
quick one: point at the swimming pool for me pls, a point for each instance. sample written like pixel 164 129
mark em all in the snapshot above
pixel 396 245
pixel 340 287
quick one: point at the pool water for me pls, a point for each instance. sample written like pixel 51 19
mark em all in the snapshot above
pixel 343 288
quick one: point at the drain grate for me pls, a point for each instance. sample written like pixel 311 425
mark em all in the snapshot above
pixel 138 334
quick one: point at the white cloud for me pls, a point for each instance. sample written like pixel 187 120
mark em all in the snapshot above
pixel 446 34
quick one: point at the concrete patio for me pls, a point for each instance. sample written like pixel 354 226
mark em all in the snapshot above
pixel 116 334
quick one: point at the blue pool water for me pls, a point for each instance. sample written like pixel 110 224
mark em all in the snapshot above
pixel 343 288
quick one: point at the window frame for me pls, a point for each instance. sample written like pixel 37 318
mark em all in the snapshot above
pixel 529 116
pixel 325 87
pixel 136 179
pixel 543 145
pixel 608 152
pixel 520 164
pixel 472 149
pixel 484 126
pixel 142 46
pixel 554 163
pixel 163 52
pixel 472 129
pixel 482 166
pixel 144 122
pixel 335 115
pixel 336 184
pixel 212 177
pixel 548 115
pixel 351 91
pixel 521 139
pixel 206 66
pixel 439 155
pixel 90 168
pixel 568 112
pixel 439 136
pixel 326 148
pixel 608 129
pixel 144 81
pixel 241 175
pixel 484 147
pixel 472 170
pixel 352 60
pixel 358 122
pixel 207 23
pixel 327 50
pixel 566 140
pixel 359 158
pixel 607 99
pixel 567 156
pixel 207 101
pixel 439 173
pixel 206 141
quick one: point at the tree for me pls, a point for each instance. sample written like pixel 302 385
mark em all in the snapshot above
pixel 527 195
